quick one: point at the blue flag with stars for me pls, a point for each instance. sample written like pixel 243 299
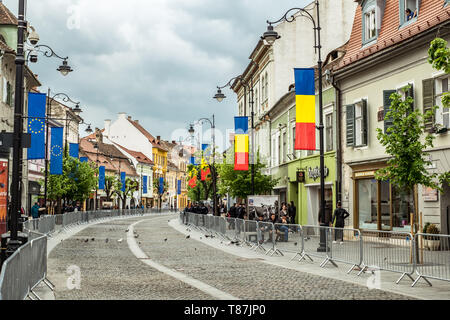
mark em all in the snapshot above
pixel 101 178
pixel 36 125
pixel 74 150
pixel 144 184
pixel 56 151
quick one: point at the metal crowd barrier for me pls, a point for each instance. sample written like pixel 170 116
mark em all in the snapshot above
pixel 433 257
pixel 346 246
pixel 390 251
pixel 293 242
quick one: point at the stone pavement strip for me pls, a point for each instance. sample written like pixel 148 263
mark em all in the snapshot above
pixel 110 271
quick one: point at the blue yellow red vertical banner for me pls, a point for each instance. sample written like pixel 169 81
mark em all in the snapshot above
pixel 241 147
pixel 305 100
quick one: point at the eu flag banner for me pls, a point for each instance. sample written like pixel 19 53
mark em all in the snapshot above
pixel 74 150
pixel 241 148
pixel 179 187
pixel 144 184
pixel 101 178
pixel 36 125
pixel 161 185
pixel 123 176
pixel 56 151
pixel 84 159
pixel 305 100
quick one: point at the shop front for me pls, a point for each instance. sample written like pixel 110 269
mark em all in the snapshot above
pixel 379 205
pixel 304 175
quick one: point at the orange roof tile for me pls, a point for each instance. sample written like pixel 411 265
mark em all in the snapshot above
pixel 431 13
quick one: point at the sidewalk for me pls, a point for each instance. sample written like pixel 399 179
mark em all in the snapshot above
pixel 387 280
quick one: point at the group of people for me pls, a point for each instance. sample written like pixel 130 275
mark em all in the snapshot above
pixel 197 207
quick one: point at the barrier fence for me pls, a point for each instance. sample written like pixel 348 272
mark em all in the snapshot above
pixel 426 255
pixel 27 267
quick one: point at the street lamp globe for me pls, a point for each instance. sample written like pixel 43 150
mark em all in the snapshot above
pixel 219 95
pixel 270 35
pixel 64 68
pixel 77 109
pixel 33 37
pixel 89 130
pixel 191 130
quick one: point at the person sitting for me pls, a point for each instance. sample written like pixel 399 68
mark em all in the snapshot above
pixel 282 229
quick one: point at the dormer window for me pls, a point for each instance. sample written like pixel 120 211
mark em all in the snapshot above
pixel 409 10
pixel 369 22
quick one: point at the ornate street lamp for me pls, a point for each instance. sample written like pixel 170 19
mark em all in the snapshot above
pixel 270 36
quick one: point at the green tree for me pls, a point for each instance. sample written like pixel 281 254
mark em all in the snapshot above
pixel 203 188
pixel 131 185
pixel 238 183
pixel 75 184
pixel 439 58
pixel 407 166
pixel 110 183
pixel 156 190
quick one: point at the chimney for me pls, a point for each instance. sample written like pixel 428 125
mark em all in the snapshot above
pixel 122 115
pixel 98 135
pixel 158 138
pixel 174 142
pixel 129 118
pixel 137 121
pixel 107 128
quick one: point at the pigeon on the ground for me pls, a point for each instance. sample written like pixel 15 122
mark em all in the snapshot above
pixel 120 240
pixel 165 239
pixel 127 230
pixel 187 237
pixel 136 236
pixel 93 239
pixel 295 244
pixel 86 240
pixel 107 240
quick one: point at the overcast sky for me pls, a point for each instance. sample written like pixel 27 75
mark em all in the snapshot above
pixel 158 60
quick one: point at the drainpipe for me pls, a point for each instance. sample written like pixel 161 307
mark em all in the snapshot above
pixel 338 96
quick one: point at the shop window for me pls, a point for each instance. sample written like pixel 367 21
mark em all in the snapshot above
pixel 409 11
pixel 369 22
pixel 367 203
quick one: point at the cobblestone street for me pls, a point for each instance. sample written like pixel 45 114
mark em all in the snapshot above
pixel 109 270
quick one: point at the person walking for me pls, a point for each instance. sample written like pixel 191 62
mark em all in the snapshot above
pixel 338 220
pixel 35 214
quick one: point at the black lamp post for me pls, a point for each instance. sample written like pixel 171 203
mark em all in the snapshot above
pixel 77 110
pixel 219 96
pixel 213 167
pixel 271 36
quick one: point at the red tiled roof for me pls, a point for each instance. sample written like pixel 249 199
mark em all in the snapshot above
pixel 153 141
pixel 139 156
pixel 431 13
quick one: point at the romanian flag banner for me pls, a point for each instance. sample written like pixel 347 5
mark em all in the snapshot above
pixel 193 182
pixel 204 170
pixel 305 99
pixel 241 144
pixel 36 125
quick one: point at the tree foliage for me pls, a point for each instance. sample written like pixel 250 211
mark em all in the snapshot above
pixel 76 183
pixel 439 58
pixel 238 183
pixel 131 186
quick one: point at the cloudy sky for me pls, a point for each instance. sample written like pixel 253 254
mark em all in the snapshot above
pixel 158 60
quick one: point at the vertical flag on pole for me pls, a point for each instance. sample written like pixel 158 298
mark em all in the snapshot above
pixel 84 159
pixel 123 180
pixel 203 167
pixel 305 99
pixel 179 187
pixel 36 125
pixel 74 150
pixel 241 162
pixel 56 151
pixel 144 184
pixel 101 178
pixel 161 185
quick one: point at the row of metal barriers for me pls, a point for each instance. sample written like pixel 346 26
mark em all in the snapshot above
pixel 426 256
pixel 23 271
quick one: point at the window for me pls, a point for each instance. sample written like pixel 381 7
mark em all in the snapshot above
pixel 257 107
pixel 369 22
pixel 442 114
pixel 266 93
pixel 263 89
pixel 294 131
pixel 284 146
pixel 409 10
pixel 329 131
pixel 357 124
pixel 279 158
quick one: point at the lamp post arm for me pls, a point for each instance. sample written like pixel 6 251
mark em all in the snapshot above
pixel 49 52
pixel 65 98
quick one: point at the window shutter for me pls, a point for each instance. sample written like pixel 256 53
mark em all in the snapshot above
pixel 410 93
pixel 387 108
pixel 365 129
pixel 428 102
pixel 350 125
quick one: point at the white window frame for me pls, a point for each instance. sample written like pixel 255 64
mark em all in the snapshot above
pixel 361 117
pixel 366 23
pixel 327 110
pixel 441 112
